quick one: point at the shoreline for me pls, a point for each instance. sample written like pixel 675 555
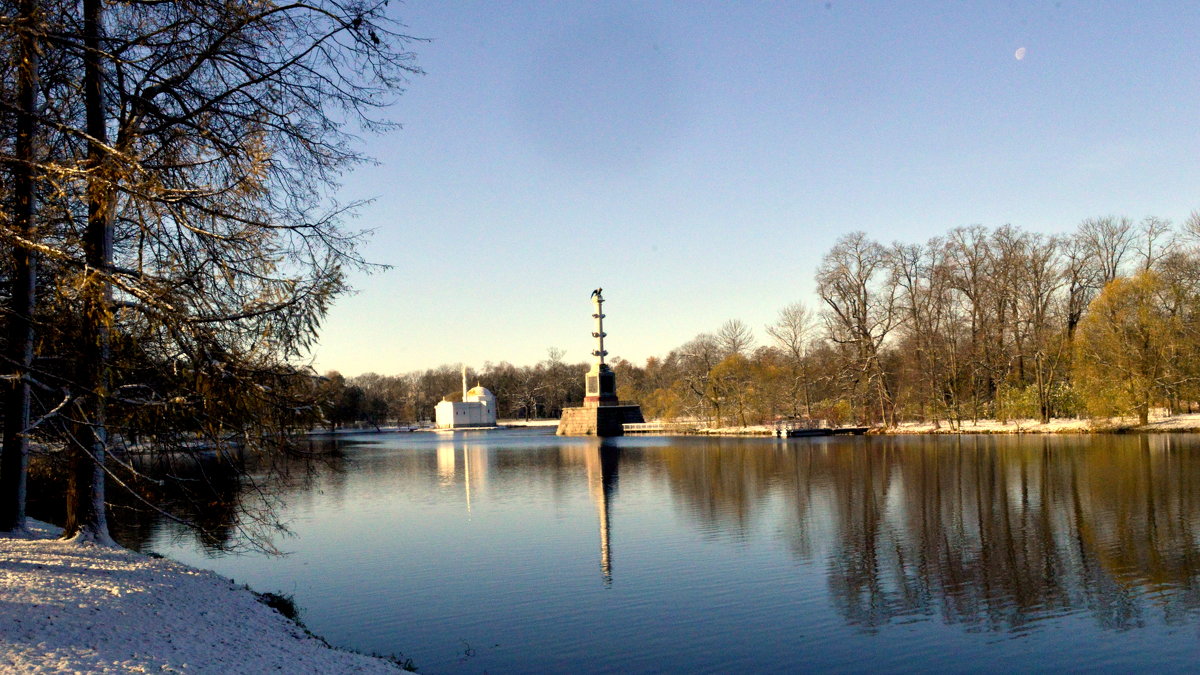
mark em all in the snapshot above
pixel 85 608
pixel 1159 424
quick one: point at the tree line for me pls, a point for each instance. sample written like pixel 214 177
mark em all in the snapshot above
pixel 976 323
pixel 541 390
pixel 171 237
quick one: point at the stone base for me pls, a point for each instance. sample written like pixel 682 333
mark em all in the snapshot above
pixel 605 420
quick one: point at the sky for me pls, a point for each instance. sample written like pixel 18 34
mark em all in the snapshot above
pixel 697 159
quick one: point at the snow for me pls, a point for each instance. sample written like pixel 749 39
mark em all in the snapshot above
pixel 1159 422
pixel 70 607
pixel 1172 423
pixel 988 426
pixel 527 423
pixel 749 430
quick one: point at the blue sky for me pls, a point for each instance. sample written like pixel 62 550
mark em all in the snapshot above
pixel 697 159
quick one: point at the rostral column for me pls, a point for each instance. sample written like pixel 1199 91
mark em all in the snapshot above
pixel 601 384
pixel 601 414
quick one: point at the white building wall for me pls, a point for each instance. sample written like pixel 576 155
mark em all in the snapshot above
pixel 451 415
pixel 443 414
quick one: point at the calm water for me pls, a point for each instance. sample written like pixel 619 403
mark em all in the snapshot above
pixel 516 551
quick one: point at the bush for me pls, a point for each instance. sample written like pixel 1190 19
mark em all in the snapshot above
pixel 283 603
pixel 1017 403
pixel 1065 401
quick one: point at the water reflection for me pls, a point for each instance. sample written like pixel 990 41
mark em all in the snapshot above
pixel 603 463
pixel 462 463
pixel 998 534
pixel 994 534
pixel 990 532
pixel 223 502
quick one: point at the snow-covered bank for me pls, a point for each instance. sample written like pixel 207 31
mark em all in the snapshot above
pixel 1159 422
pixel 81 608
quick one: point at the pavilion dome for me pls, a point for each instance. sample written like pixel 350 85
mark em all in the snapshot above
pixel 479 391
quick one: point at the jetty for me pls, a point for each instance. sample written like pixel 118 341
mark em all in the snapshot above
pixel 776 430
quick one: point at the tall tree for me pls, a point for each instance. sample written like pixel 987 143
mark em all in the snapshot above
pixel 1155 240
pixel 695 360
pixel 14 455
pixel 206 140
pixel 1108 240
pixel 1125 348
pixel 860 314
pixel 1043 276
pixel 735 337
pixel 792 333
pixel 925 304
pixel 86 517
pixel 730 385
pixel 1082 281
pixel 969 256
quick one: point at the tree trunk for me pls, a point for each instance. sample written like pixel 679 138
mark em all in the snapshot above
pixel 86 519
pixel 807 397
pixel 14 457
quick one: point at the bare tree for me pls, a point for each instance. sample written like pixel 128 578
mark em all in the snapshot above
pixel 1107 240
pixel 14 457
pixel 925 305
pixel 696 360
pixel 792 332
pixel 860 313
pixel 972 262
pixel 88 445
pixel 1191 226
pixel 1156 239
pixel 1043 276
pixel 735 337
pixel 1082 281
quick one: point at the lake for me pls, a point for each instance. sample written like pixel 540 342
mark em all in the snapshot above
pixel 518 551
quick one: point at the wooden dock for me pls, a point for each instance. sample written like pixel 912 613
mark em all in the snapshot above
pixel 822 431
pixel 693 429
pixel 660 428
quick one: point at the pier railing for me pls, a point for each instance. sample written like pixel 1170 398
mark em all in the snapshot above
pixel 659 427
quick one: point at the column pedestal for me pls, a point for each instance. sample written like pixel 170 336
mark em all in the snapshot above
pixel 598 420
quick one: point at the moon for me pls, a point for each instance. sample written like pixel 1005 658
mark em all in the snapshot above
pixel 1020 53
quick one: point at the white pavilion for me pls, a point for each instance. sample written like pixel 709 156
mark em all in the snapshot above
pixel 477 408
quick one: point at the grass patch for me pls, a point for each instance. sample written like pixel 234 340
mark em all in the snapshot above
pixel 401 661
pixel 285 604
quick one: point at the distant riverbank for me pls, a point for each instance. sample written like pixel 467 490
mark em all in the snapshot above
pixel 86 608
pixel 1159 423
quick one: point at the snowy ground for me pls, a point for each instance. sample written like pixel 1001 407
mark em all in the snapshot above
pixel 70 608
pixel 983 426
pixel 527 423
pixel 1159 421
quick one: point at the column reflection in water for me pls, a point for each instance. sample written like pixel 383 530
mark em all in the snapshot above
pixel 603 463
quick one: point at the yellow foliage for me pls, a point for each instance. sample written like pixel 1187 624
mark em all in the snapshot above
pixel 662 404
pixel 1124 348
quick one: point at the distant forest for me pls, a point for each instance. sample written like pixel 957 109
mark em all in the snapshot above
pixel 977 323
